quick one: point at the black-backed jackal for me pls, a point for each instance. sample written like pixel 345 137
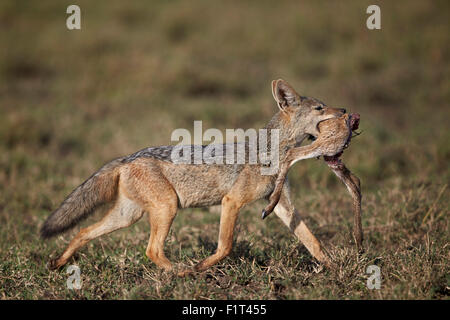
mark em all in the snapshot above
pixel 149 181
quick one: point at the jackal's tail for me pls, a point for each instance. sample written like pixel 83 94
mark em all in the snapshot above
pixel 100 188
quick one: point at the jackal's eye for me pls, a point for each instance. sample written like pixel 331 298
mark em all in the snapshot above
pixel 318 108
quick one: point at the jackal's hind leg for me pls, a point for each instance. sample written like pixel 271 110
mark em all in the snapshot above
pixel 150 188
pixel 161 217
pixel 124 213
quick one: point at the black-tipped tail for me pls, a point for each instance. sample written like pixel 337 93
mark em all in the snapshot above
pixel 100 188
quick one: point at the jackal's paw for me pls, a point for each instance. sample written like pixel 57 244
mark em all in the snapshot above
pixel 360 251
pixel 53 264
pixel 186 272
pixel 328 264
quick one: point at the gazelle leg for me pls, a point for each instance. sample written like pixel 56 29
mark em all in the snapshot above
pixel 354 187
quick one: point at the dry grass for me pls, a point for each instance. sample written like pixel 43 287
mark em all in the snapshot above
pixel 72 100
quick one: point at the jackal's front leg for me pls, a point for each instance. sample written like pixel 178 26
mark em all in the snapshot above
pixel 292 219
pixel 230 210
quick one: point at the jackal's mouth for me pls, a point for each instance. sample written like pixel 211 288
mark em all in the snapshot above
pixel 353 125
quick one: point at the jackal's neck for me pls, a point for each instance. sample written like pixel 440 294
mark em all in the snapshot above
pixel 287 137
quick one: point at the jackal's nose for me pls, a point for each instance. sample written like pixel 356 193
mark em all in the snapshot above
pixel 343 110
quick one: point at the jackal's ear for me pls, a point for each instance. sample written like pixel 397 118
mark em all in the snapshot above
pixel 284 94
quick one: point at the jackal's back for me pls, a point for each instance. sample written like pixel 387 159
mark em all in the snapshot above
pixel 198 185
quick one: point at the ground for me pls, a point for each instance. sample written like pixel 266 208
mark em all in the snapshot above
pixel 72 100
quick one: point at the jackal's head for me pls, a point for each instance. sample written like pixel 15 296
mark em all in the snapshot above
pixel 300 116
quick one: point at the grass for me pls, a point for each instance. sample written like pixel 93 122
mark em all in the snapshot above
pixel 72 100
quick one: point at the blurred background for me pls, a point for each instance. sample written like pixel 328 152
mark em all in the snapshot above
pixel 71 100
